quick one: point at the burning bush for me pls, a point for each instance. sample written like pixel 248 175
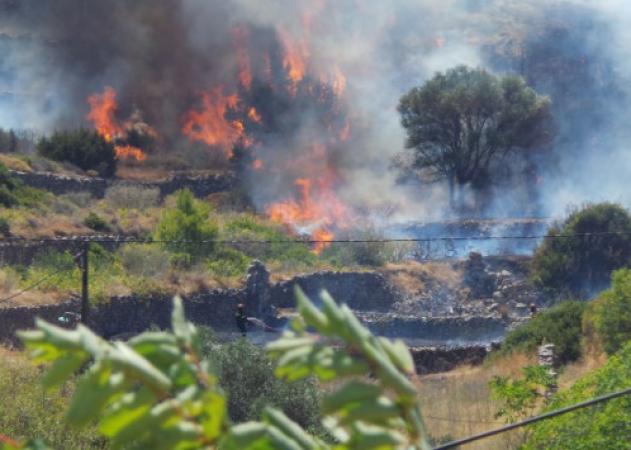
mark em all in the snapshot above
pixel 85 149
pixel 579 255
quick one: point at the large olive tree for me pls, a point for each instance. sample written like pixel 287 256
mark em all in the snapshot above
pixel 461 122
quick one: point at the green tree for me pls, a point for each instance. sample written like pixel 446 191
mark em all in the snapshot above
pixel 84 148
pixel 157 391
pixel 560 325
pixel 612 312
pixel 462 121
pixel 605 426
pixel 183 227
pixel 581 253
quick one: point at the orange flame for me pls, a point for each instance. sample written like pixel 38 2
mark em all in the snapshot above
pixel 129 152
pixel 258 164
pixel 209 125
pixel 295 58
pixel 314 212
pixel 102 109
pixel 240 37
pixel 254 115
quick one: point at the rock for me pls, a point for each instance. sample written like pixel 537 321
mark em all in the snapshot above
pixel 480 282
pixel 257 289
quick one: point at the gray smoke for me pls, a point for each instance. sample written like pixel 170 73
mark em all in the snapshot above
pixel 159 54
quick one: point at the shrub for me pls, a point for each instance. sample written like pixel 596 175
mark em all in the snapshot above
pixel 83 148
pixel 81 199
pixel 132 197
pixel 612 312
pixel 560 325
pixel 187 224
pixel 579 265
pixel 228 262
pixel 606 426
pixel 246 374
pixel 144 260
pixel 96 223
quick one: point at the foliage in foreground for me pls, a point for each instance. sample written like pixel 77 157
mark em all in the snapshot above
pixel 604 426
pixel 577 263
pixel 560 325
pixel 157 392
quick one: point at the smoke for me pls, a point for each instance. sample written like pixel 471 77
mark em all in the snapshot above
pixel 358 58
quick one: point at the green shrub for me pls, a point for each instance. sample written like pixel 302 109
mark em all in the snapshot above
pixel 228 262
pixel 560 325
pixel 132 197
pixel 579 265
pixel 372 254
pixel 96 223
pixel 246 374
pixel 612 312
pixel 187 224
pixel 83 148
pixel 14 193
pixel 605 426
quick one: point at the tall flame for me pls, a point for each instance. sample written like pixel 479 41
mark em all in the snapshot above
pixel 209 125
pixel 102 109
pixel 102 115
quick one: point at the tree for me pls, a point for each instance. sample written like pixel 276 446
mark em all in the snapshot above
pixel 580 254
pixel 157 391
pixel 85 149
pixel 462 121
pixel 182 228
pixel 612 312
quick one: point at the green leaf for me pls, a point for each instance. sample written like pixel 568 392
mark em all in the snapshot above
pixel 92 394
pixel 309 312
pixel 214 414
pixel 351 392
pixel 290 428
pixel 399 354
pixel 182 329
pixel 125 358
pixel 63 368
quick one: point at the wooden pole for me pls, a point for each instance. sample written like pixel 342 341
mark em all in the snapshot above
pixel 85 303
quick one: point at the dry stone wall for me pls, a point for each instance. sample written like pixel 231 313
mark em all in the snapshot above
pixel 201 186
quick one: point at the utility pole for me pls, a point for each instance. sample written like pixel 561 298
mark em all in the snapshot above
pixel 85 302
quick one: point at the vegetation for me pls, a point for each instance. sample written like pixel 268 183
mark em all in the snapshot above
pixel 156 391
pixel 463 121
pixel 83 148
pixel 181 228
pixel 560 325
pixel 14 193
pixel 596 241
pixel 96 223
pixel 605 426
pixel 612 313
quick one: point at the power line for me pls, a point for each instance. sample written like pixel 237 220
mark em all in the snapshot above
pixel 549 415
pixel 124 239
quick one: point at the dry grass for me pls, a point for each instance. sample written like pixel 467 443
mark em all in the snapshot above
pixel 15 163
pixel 414 276
pixel 458 403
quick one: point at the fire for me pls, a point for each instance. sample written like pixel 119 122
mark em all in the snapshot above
pixel 209 125
pixel 338 82
pixel 254 115
pixel 129 152
pixel 316 211
pixel 102 109
pixel 102 115
pixel 258 165
pixel 240 37
pixel 295 57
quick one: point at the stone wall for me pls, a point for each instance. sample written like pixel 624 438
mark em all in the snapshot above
pixel 442 359
pixel 201 186
pixel 362 291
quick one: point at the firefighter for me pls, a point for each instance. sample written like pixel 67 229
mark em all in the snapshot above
pixel 241 319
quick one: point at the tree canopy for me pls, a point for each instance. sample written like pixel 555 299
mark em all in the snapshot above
pixel 583 251
pixel 462 121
